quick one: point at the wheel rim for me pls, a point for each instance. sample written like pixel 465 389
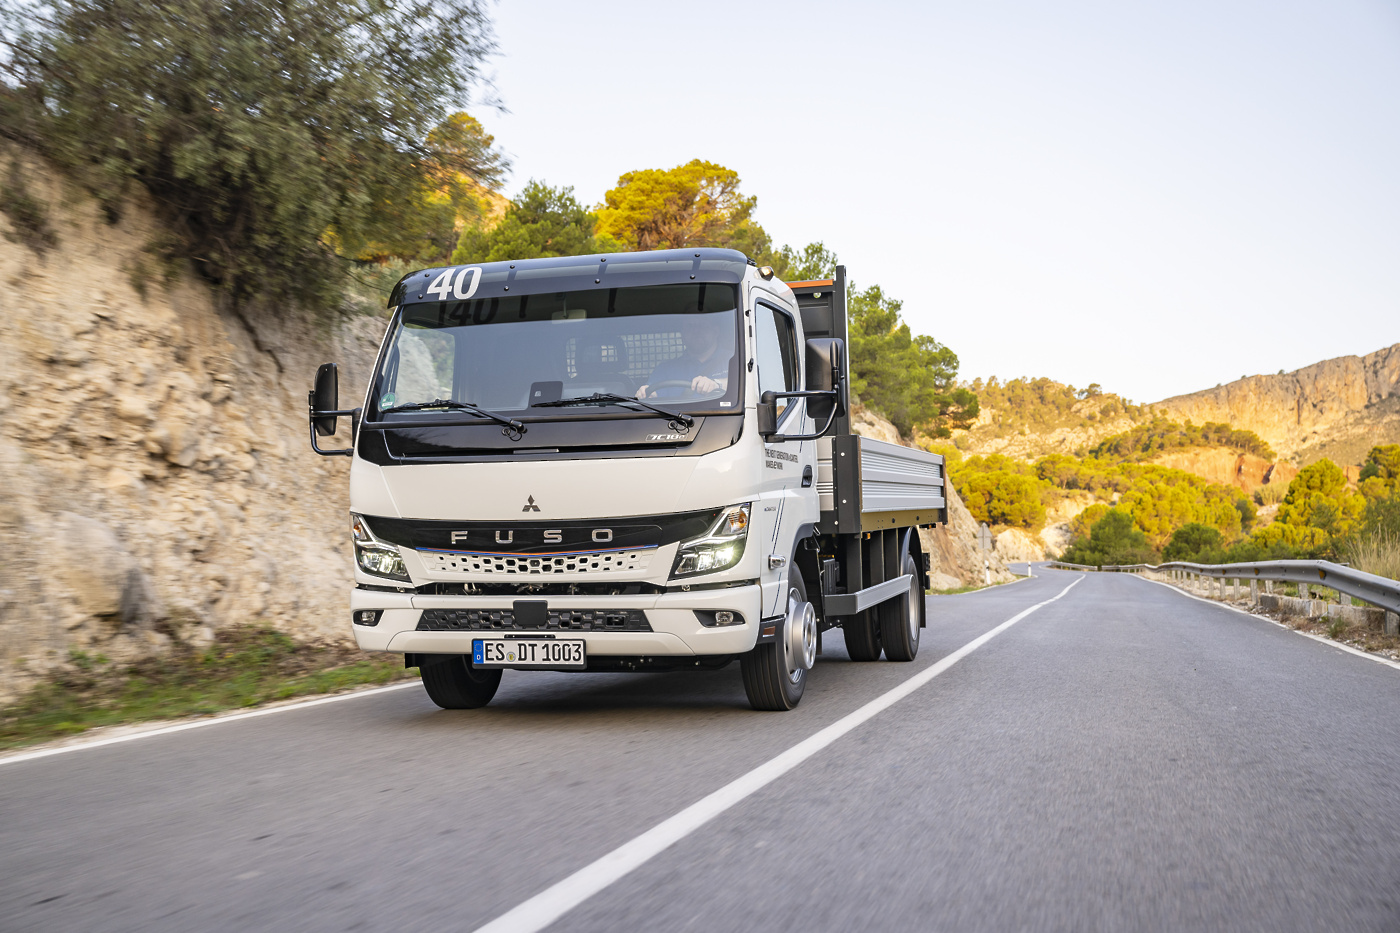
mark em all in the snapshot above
pixel 916 608
pixel 801 641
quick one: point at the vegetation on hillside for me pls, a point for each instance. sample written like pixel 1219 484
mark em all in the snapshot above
pixel 1001 490
pixel 1146 441
pixel 1029 406
pixel 276 140
pixel 1321 516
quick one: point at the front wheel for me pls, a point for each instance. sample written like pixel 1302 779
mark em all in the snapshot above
pixel 901 619
pixel 775 672
pixel 453 683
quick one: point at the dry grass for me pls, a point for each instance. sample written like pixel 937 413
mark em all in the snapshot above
pixel 244 667
pixel 1377 553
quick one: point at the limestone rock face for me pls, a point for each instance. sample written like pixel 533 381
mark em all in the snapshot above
pixel 1337 407
pixel 1228 467
pixel 154 454
pixel 1016 545
pixel 955 558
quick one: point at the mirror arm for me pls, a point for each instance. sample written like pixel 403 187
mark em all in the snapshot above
pixel 352 413
pixel 833 394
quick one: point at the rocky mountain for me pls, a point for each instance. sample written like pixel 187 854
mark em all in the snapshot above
pixel 1338 408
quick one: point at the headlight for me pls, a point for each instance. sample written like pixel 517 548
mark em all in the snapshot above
pixel 373 555
pixel 720 548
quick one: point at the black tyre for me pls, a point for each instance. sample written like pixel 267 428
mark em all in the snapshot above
pixel 453 683
pixel 773 679
pixel 902 618
pixel 862 633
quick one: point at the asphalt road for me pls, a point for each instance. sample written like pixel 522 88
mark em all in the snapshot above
pixel 1125 758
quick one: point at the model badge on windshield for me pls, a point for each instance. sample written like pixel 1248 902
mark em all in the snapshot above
pixel 530 506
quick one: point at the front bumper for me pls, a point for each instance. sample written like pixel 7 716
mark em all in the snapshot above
pixel 676 629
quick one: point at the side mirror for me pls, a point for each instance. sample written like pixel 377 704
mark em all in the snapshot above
pixel 825 364
pixel 767 414
pixel 325 397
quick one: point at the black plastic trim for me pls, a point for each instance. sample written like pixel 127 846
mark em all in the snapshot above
pixel 529 537
pixel 582 437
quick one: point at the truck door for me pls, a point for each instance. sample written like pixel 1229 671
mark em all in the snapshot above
pixel 780 511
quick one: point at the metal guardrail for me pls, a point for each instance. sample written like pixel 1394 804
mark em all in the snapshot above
pixel 1367 587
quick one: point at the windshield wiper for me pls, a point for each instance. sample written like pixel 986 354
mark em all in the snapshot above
pixel 678 421
pixel 513 429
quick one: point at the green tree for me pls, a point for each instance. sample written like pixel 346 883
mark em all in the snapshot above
pixel 911 380
pixel 811 263
pixel 1380 474
pixel 269 135
pixel 426 227
pixel 1113 539
pixel 695 204
pixel 1004 498
pixel 1318 509
pixel 1194 542
pixel 542 222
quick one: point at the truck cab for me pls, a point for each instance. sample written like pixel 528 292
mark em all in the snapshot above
pixel 630 462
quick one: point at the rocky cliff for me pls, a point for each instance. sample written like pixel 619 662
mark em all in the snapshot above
pixel 1337 408
pixel 157 480
pixel 1228 467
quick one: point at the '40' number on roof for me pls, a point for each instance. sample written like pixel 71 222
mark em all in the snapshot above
pixel 452 283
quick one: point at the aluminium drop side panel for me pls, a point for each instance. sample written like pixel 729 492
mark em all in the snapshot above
pixel 897 479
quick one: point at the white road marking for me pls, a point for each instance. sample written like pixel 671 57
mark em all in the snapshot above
pixel 553 902
pixel 1318 638
pixel 195 724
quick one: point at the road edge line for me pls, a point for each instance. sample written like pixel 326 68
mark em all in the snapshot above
pixel 553 902
pixel 195 724
pixel 1308 635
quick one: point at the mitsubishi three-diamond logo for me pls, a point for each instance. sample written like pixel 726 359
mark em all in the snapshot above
pixel 530 506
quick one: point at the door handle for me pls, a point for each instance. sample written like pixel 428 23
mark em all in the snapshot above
pixel 806 477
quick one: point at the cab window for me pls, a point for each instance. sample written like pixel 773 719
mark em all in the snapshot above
pixel 777 353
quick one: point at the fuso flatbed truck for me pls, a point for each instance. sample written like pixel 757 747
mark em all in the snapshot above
pixel 631 462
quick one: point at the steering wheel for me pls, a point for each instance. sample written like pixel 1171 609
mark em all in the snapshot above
pixel 685 384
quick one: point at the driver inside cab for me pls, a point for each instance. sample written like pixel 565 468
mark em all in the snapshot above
pixel 704 366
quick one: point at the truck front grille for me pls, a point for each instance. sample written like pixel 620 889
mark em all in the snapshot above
pixel 635 559
pixel 495 620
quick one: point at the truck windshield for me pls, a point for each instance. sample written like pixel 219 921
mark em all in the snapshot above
pixel 673 345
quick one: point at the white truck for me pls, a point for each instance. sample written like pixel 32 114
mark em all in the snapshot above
pixel 631 462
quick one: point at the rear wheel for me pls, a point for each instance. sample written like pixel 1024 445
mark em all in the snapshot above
pixel 775 672
pixel 862 633
pixel 901 618
pixel 453 683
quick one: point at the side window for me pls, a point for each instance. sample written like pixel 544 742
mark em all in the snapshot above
pixel 777 353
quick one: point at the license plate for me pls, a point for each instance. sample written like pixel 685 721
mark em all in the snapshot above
pixel 528 652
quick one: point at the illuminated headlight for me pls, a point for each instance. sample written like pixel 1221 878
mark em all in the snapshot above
pixel 373 555
pixel 720 548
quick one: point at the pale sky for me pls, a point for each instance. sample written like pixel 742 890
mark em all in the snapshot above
pixel 1155 196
